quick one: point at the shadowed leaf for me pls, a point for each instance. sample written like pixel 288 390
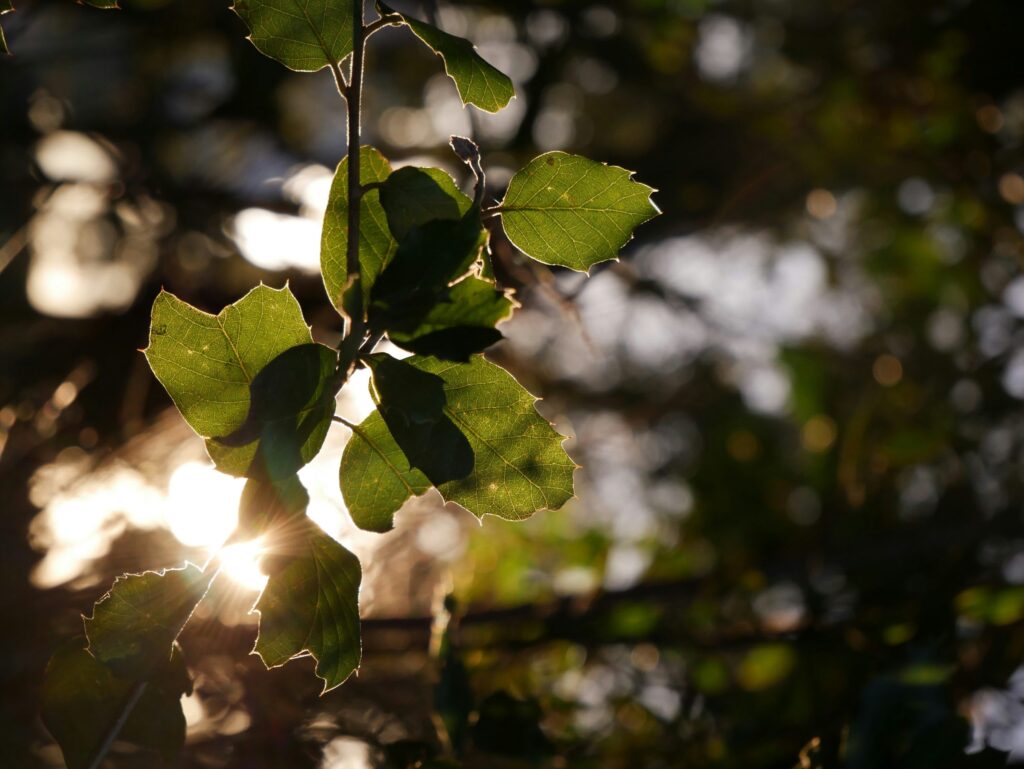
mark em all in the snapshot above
pixel 81 701
pixel 567 210
pixel 270 505
pixel 311 605
pixel 413 197
pixel 304 35
pixel 134 625
pixel 292 403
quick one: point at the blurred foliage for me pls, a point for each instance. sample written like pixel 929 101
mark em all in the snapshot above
pixel 798 538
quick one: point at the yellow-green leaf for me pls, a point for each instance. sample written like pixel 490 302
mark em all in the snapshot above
pixel 304 35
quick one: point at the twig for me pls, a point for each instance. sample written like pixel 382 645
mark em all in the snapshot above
pixel 108 741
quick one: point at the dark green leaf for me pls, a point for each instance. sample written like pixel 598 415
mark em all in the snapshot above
pixel 376 245
pixel 304 35
pixel 311 605
pixel 292 402
pixel 428 261
pixel 134 625
pixel 207 362
pixel 412 395
pixel 413 197
pixel 82 699
pixel 479 83
pixel 567 210
pixel 376 477
pixel 103 4
pixel 458 325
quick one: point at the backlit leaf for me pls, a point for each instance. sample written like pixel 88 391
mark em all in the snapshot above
pixel 479 82
pixel 570 211
pixel 518 464
pixel 133 626
pixel 376 477
pixel 304 35
pixel 270 505
pixel 207 362
pixel 376 245
pixel 82 699
pixel 6 6
pixel 311 605
pixel 292 402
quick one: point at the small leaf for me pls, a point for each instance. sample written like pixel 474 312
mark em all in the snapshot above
pixel 207 362
pixel 311 605
pixel 292 402
pixel 304 36
pixel 82 700
pixel 459 325
pixel 376 477
pixel 413 197
pixel 412 395
pixel 567 210
pixel 102 4
pixel 376 245
pixel 479 82
pixel 134 626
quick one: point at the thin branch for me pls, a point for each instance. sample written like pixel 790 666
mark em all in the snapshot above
pixel 108 741
pixel 373 27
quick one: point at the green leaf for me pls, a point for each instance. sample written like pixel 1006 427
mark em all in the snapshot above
pixel 413 197
pixel 376 477
pixel 82 699
pixel 292 402
pixel 133 626
pixel 207 362
pixel 311 605
pixel 304 35
pixel 376 245
pixel 461 324
pixel 102 4
pixel 479 82
pixel 519 465
pixel 414 396
pixel 567 210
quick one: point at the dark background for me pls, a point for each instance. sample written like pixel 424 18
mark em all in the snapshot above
pixel 796 400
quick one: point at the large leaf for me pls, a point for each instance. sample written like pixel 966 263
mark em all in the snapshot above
pixel 304 35
pixel 519 465
pixel 134 626
pixel 413 197
pixel 82 699
pixel 207 362
pixel 292 402
pixel 567 210
pixel 376 477
pixel 311 605
pixel 270 506
pixel 459 324
pixel 479 82
pixel 376 245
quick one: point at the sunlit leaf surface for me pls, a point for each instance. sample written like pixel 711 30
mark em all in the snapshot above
pixel 304 35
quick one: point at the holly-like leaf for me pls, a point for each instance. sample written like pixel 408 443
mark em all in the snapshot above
pixel 207 362
pixel 304 35
pixel 134 626
pixel 459 325
pixel 479 82
pixel 413 197
pixel 292 402
pixel 376 477
pixel 311 605
pixel 518 464
pixel 376 245
pixel 567 210
pixel 82 699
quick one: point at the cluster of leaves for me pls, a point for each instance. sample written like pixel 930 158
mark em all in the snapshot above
pixel 252 382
